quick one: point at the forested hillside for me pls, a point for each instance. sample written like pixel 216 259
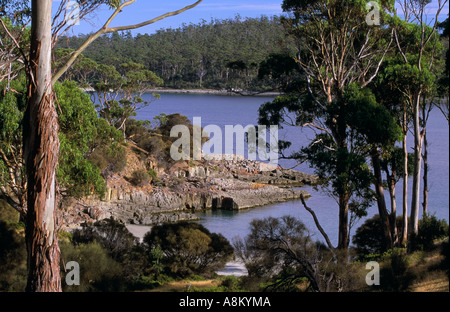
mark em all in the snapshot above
pixel 218 54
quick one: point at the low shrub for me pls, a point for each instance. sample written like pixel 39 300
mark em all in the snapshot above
pixel 13 264
pixel 110 159
pixel 98 271
pixel 140 178
pixel 189 248
pixel 394 274
pixel 430 229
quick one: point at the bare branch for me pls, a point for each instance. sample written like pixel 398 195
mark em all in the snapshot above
pixel 105 29
pixel 85 8
pixel 319 227
pixel 15 205
pixel 380 62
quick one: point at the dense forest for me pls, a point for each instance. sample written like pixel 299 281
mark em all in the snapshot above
pixel 218 54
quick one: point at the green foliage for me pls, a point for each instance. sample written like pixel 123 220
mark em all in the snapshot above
pixel 12 105
pixel 98 271
pixel 157 141
pixel 76 173
pixel 77 116
pixel 156 256
pixel 118 243
pixel 368 118
pixel 394 274
pixel 189 248
pixel 10 116
pixel 393 162
pixel 13 264
pixel 345 171
pixel 350 127
pixel 445 252
pixel 152 173
pixel 267 259
pixel 160 120
pixel 231 284
pixel 79 129
pixel 110 159
pixel 133 265
pixel 110 234
pixel 280 68
pixel 195 55
pixel 430 229
pixel 82 132
pixel 407 77
pixel 369 238
pixel 119 94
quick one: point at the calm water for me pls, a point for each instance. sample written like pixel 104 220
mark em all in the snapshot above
pixel 234 110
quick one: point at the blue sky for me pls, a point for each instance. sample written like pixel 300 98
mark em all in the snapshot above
pixel 143 10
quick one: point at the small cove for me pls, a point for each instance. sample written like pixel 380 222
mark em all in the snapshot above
pixel 224 110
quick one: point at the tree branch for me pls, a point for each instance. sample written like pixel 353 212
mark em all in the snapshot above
pixel 15 205
pixel 105 29
pixel 380 62
pixel 319 227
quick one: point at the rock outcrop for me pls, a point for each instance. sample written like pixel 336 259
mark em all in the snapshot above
pixel 189 187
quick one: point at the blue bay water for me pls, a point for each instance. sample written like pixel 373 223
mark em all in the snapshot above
pixel 242 110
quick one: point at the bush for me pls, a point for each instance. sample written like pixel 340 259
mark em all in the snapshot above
pixel 119 244
pixel 110 159
pixel 98 271
pixel 231 283
pixel 140 178
pixel 110 234
pixel 394 274
pixel 369 238
pixel 430 229
pixel 189 248
pixel 152 173
pixel 13 266
pixel 445 252
pixel 156 146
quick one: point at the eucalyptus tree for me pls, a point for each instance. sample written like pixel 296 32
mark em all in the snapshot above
pixel 444 80
pixel 393 166
pixel 120 96
pixel 40 131
pixel 392 77
pixel 418 56
pixel 336 48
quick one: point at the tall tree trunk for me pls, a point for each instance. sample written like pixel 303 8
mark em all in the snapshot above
pixel 393 214
pixel 425 164
pixel 415 203
pixel 404 235
pixel 41 149
pixel 343 240
pixel 339 128
pixel 381 202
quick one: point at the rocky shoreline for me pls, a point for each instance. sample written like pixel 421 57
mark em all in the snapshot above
pixel 214 92
pixel 188 188
pixel 205 91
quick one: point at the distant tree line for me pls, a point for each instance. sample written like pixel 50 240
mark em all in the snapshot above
pixel 218 54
